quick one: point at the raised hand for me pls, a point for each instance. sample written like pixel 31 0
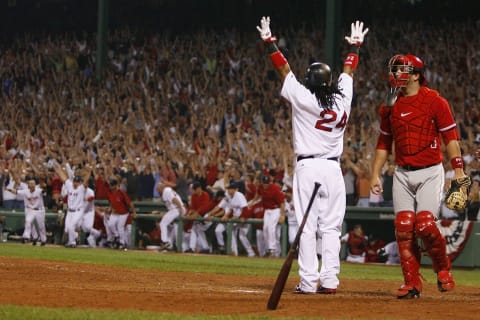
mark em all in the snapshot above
pixel 357 34
pixel 264 29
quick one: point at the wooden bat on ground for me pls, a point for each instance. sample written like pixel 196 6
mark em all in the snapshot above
pixel 287 265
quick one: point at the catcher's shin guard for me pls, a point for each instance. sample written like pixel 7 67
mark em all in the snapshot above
pixel 435 245
pixel 409 255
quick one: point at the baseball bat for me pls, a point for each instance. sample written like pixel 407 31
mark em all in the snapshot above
pixel 287 265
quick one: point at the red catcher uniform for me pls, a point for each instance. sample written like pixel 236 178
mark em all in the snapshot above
pixel 415 124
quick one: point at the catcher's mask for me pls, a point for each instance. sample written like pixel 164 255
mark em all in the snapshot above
pixel 318 75
pixel 401 66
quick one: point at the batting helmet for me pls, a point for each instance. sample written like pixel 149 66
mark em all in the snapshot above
pixel 318 75
pixel 405 65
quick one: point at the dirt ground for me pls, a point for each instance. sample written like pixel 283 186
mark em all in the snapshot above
pixel 62 284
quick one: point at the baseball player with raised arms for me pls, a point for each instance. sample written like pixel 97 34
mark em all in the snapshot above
pixel 414 120
pixel 34 210
pixel 75 191
pixel 320 112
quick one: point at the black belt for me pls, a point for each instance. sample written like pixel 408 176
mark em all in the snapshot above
pixel 414 168
pixel 74 210
pixel 300 158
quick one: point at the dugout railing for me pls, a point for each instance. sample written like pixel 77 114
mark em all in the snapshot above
pixel 376 221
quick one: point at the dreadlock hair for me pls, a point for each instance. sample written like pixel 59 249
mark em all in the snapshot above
pixel 326 95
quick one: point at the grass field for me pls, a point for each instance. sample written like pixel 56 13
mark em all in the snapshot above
pixel 182 263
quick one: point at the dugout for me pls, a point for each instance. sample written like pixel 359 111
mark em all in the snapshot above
pixel 462 236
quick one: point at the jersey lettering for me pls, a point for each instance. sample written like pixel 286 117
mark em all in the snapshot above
pixel 329 116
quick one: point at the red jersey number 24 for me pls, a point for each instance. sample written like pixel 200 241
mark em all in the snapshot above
pixel 329 116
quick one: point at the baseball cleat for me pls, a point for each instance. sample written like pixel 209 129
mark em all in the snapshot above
pixel 408 293
pixel 445 281
pixel 323 290
pixel 299 290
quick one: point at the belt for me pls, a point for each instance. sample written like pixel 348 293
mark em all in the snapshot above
pixel 300 158
pixel 414 168
pixel 74 210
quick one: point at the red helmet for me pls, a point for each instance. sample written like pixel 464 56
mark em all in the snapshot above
pixel 405 65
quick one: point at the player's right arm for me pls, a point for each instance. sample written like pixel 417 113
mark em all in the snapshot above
pixel 279 62
pixel 381 156
pixel 355 40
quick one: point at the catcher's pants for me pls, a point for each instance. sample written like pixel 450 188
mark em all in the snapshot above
pixel 418 190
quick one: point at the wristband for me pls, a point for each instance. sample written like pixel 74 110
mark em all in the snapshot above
pixel 278 59
pixel 351 60
pixel 457 163
pixel 270 40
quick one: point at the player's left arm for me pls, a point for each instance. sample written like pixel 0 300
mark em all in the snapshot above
pixel 279 61
pixel 355 40
pixel 448 130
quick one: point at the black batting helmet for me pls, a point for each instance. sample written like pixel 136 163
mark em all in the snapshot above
pixel 318 75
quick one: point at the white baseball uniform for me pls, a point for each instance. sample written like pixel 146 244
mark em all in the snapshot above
pixel 173 212
pixel 318 144
pixel 86 222
pixel 75 204
pixel 291 220
pixel 34 210
pixel 236 205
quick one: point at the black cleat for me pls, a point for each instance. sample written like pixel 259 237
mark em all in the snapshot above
pixel 411 294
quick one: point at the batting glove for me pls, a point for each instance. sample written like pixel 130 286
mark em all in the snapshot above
pixel 357 34
pixel 264 30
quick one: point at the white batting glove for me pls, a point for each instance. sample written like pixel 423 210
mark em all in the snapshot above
pixel 264 30
pixel 357 34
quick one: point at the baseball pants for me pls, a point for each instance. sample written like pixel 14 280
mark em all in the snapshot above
pixel 198 237
pixel 167 220
pixel 270 223
pixel 38 216
pixel 71 222
pixel 117 224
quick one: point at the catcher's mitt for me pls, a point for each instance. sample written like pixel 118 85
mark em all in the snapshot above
pixel 457 195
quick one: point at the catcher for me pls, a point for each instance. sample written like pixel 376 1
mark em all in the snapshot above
pixel 415 120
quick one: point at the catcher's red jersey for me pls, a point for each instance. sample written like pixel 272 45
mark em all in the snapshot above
pixel 415 124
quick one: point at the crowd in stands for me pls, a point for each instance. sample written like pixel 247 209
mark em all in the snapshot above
pixel 205 106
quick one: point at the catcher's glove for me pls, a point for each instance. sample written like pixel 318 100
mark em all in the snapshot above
pixel 457 195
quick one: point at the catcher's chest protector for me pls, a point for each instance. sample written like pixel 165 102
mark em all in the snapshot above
pixel 412 123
